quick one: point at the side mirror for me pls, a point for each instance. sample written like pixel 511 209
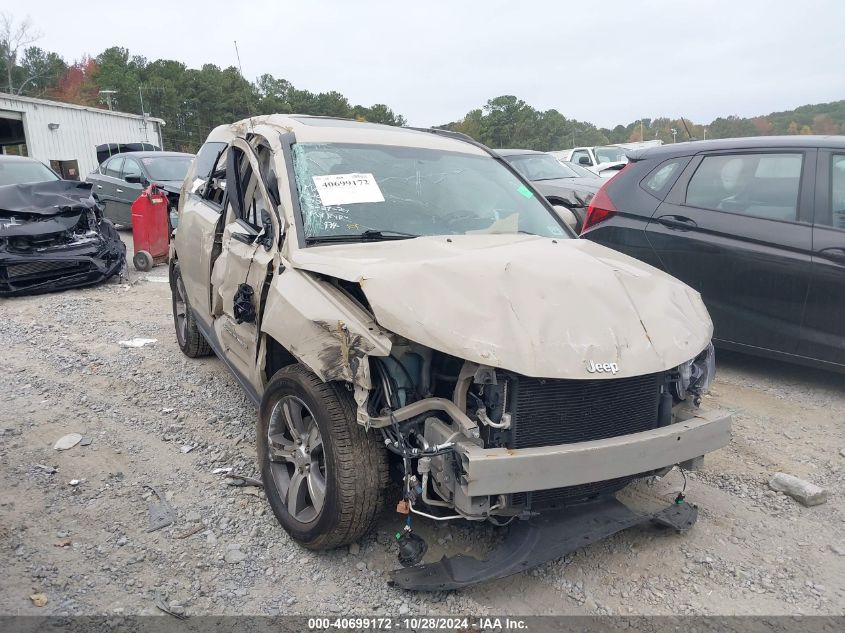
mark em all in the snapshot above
pixel 584 160
pixel 135 180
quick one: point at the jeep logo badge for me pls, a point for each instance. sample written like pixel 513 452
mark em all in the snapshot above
pixel 602 368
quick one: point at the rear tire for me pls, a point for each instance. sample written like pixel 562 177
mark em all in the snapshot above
pixel 324 474
pixel 190 339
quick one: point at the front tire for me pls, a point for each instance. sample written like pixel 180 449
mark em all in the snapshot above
pixel 324 474
pixel 190 339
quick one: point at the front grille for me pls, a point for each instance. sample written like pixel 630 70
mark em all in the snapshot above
pixel 547 412
pixel 17 271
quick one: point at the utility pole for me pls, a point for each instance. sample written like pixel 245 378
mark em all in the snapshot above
pixel 143 115
pixel 674 135
pixel 705 134
pixel 108 95
pixel 642 136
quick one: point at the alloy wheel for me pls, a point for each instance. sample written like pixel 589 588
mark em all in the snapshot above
pixel 297 458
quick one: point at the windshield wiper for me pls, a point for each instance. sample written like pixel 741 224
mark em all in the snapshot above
pixel 369 235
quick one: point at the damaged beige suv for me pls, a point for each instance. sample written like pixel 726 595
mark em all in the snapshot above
pixel 402 305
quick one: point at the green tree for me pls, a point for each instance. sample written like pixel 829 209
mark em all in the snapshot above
pixel 38 71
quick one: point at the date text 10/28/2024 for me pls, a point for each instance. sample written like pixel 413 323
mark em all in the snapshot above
pixel 413 623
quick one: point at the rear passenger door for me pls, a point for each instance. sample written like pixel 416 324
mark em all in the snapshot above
pixel 823 332
pixel 201 216
pixel 737 227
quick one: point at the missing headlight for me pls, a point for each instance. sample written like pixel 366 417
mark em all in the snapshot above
pixel 695 376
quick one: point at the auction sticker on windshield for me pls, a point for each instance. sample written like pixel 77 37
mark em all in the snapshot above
pixel 340 189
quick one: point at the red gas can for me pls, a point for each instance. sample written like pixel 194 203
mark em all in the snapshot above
pixel 150 231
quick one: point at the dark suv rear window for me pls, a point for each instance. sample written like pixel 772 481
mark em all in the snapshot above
pixel 661 178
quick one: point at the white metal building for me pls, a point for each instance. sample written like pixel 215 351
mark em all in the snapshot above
pixel 59 133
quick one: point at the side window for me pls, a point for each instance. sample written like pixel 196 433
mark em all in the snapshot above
pixel 113 166
pixel 661 178
pixel 759 185
pixel 837 190
pixel 579 156
pixel 206 157
pixel 131 168
pixel 215 189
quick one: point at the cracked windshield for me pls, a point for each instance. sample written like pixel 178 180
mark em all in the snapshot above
pixel 349 190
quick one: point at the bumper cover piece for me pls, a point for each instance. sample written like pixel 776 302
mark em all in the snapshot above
pixel 501 471
pixel 541 539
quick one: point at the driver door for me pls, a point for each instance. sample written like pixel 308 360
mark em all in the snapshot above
pixel 249 249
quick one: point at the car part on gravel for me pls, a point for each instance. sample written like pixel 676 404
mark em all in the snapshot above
pixel 162 605
pixel 241 481
pixel 53 237
pixel 160 513
pixel 546 537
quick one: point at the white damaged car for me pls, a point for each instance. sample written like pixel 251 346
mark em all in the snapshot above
pixel 402 305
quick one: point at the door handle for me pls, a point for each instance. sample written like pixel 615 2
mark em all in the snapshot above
pixel 677 222
pixel 835 253
pixel 119 190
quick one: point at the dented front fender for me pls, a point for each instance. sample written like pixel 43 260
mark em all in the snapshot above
pixel 323 328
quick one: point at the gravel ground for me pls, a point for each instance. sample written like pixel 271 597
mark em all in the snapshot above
pixel 753 551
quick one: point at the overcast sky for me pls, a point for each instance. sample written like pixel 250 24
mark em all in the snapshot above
pixel 605 61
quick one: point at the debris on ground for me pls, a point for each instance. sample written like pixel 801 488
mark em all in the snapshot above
pixel 218 471
pixel 86 441
pixel 39 599
pixel 138 342
pixel 241 480
pixel 74 482
pixel 187 448
pixel 50 470
pixel 234 554
pixel 191 532
pixel 65 542
pixel 802 491
pixel 67 441
pixel 160 513
pixel 177 611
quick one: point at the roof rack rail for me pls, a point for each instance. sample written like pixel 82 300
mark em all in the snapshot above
pixel 458 136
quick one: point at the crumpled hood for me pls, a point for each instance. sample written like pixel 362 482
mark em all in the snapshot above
pixel 53 197
pixel 532 305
